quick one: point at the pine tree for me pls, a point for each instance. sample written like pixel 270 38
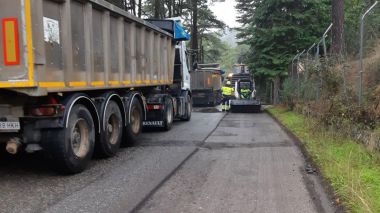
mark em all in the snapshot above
pixel 277 29
pixel 245 9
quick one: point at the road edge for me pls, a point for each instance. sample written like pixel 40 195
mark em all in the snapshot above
pixel 320 179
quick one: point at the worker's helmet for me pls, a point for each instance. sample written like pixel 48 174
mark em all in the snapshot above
pixel 228 83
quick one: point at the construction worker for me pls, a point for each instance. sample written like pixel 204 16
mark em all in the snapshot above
pixel 245 93
pixel 227 92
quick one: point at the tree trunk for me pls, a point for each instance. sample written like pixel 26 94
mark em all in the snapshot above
pixel 276 90
pixel 140 8
pixel 170 8
pixel 337 15
pixel 194 31
pixel 157 9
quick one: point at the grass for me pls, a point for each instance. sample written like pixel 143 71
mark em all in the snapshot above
pixel 352 171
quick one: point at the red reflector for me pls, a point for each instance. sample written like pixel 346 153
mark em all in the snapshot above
pixel 11 51
pixel 153 107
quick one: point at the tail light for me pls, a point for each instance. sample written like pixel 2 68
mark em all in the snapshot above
pixel 154 107
pixel 50 109
pixel 47 110
pixel 11 51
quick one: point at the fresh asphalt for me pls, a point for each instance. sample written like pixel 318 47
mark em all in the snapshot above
pixel 217 162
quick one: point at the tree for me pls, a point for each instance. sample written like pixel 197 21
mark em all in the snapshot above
pixel 194 29
pixel 213 48
pixel 337 15
pixel 277 30
pixel 245 9
pixel 139 9
pixel 196 16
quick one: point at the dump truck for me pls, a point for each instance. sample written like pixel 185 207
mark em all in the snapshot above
pixel 78 78
pixel 245 100
pixel 206 85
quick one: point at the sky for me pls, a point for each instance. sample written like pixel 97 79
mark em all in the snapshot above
pixel 226 12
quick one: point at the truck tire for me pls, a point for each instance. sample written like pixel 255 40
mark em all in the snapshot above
pixel 111 131
pixel 134 125
pixel 188 108
pixel 168 114
pixel 71 148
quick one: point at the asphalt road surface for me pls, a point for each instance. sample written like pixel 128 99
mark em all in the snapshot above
pixel 215 163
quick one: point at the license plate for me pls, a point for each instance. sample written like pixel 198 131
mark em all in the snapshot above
pixel 153 123
pixel 9 125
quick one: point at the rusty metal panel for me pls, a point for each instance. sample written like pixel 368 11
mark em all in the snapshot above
pixel 84 45
pixel 205 79
pixel 78 38
pixel 98 45
pixel 54 68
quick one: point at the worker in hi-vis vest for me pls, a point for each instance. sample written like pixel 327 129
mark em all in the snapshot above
pixel 227 92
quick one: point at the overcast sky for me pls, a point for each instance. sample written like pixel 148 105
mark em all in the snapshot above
pixel 226 12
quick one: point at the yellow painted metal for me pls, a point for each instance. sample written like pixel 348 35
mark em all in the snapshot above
pixel 114 83
pixel 97 83
pixel 51 84
pixel 29 40
pixel 17 84
pixel 78 84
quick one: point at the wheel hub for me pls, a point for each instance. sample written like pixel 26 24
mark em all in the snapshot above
pixel 113 129
pixel 80 138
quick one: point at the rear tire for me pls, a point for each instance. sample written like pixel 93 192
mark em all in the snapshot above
pixel 112 131
pixel 134 125
pixel 169 115
pixel 188 108
pixel 71 148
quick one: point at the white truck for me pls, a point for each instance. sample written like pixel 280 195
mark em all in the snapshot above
pixel 79 77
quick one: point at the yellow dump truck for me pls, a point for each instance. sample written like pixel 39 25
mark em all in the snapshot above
pixel 81 77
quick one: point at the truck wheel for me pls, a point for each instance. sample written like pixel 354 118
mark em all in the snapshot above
pixel 168 119
pixel 189 108
pixel 134 126
pixel 112 131
pixel 72 147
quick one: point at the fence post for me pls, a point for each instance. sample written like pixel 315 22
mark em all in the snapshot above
pixel 324 41
pixel 307 60
pixel 293 64
pixel 319 69
pixel 298 74
pixel 361 68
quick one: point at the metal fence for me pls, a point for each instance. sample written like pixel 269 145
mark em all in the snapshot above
pixel 353 77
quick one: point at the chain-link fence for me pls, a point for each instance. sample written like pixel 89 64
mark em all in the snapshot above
pixel 312 69
pixel 340 90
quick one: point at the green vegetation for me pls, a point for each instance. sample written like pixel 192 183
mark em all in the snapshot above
pixel 232 56
pixel 276 30
pixel 353 172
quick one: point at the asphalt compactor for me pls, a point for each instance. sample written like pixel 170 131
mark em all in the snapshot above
pixel 245 100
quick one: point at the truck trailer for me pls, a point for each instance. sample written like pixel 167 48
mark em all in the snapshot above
pixel 206 85
pixel 79 78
